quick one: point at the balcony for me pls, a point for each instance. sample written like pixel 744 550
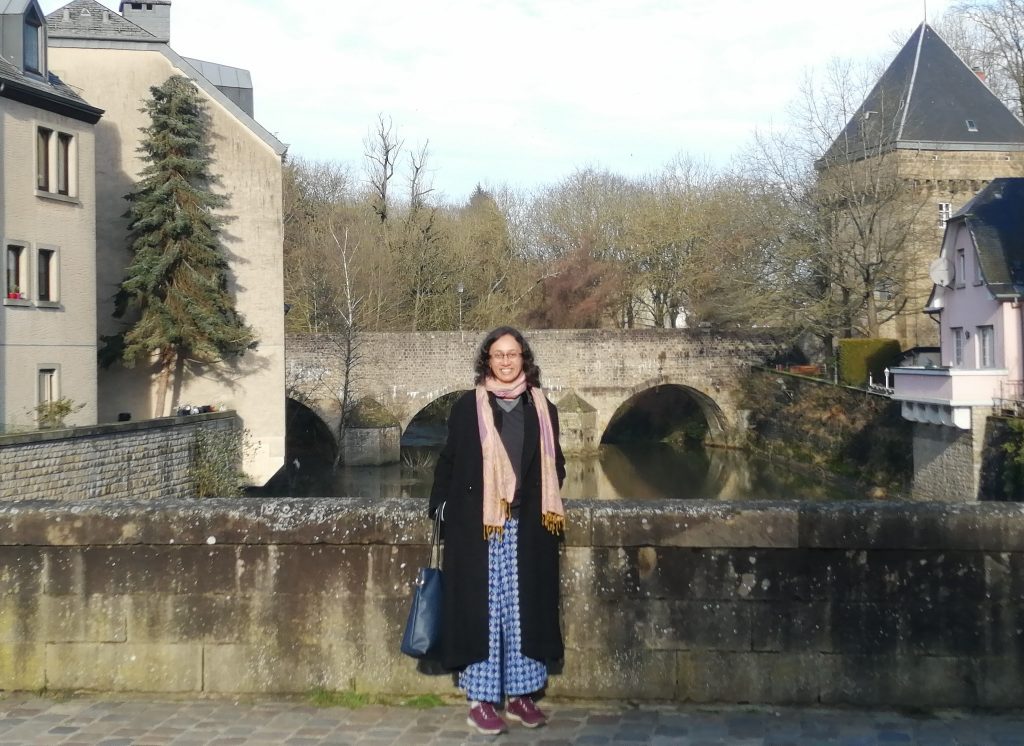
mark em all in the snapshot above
pixel 1011 398
pixel 944 396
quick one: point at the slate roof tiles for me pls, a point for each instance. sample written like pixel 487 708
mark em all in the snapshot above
pixel 995 218
pixel 925 98
pixel 89 19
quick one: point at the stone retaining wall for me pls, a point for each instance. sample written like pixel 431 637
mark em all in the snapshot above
pixel 891 604
pixel 147 459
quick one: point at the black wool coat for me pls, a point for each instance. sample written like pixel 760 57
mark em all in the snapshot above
pixel 459 483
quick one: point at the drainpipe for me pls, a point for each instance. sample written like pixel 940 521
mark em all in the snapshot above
pixel 1019 307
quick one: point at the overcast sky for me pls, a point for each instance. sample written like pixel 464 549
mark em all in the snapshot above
pixel 525 91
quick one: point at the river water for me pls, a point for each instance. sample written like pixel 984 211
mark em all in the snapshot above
pixel 638 471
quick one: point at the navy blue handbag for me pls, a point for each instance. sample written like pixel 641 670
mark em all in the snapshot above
pixel 423 629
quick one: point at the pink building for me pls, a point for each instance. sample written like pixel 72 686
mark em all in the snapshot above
pixel 976 301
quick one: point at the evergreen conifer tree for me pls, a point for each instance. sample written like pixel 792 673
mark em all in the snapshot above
pixel 177 281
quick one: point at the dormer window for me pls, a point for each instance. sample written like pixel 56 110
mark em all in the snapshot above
pixel 33 43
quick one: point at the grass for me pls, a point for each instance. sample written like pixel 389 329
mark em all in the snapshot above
pixel 423 702
pixel 353 700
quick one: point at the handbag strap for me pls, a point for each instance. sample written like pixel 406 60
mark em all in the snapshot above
pixel 435 541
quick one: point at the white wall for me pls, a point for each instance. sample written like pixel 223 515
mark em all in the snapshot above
pixel 118 81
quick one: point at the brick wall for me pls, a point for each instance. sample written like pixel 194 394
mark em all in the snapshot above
pixel 883 604
pixel 147 460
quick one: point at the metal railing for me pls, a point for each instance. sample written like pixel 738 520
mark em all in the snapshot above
pixel 886 385
pixel 1011 398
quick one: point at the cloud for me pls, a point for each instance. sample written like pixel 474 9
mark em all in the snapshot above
pixel 524 91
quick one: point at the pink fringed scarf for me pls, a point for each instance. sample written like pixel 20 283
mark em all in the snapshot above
pixel 499 476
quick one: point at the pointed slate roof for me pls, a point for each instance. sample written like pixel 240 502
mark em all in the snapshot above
pixel 995 218
pixel 928 98
pixel 13 6
pixel 88 19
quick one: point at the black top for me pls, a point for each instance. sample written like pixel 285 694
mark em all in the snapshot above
pixel 512 424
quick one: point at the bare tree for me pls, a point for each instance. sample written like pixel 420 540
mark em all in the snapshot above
pixel 420 184
pixel 989 34
pixel 381 149
pixel 844 249
pixel 579 223
pixel 348 339
pixel 315 193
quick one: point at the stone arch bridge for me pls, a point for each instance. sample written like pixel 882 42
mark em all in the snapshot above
pixel 590 373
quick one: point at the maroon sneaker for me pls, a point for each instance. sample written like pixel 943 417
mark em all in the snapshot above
pixel 483 717
pixel 525 710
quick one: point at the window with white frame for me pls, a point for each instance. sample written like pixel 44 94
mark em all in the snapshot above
pixel 961 268
pixel 63 163
pixel 43 137
pixel 16 271
pixel 986 347
pixel 56 162
pixel 48 387
pixel 945 213
pixel 47 274
pixel 958 346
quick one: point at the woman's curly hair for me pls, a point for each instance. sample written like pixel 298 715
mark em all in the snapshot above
pixel 483 358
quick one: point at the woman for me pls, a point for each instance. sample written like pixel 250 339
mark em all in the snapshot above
pixel 497 486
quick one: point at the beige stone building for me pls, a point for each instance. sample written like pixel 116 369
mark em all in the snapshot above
pixel 114 59
pixel 935 124
pixel 48 227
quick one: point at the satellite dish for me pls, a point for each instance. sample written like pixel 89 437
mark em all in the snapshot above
pixel 941 272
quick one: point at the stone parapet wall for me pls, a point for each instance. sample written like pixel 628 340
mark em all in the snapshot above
pixel 148 459
pixel 958 173
pixel 887 604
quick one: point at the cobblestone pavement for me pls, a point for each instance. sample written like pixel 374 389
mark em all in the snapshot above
pixel 105 721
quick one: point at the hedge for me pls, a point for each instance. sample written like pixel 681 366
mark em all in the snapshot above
pixel 859 357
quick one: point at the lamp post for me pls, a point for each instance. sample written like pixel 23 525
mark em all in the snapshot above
pixel 460 289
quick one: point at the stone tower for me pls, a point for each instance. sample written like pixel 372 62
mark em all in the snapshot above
pixel 946 135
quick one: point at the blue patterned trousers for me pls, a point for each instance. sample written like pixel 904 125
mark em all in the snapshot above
pixel 506 671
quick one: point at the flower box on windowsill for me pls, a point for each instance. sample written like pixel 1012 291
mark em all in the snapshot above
pixel 16 296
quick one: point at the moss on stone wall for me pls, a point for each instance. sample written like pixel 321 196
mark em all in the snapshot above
pixel 837 429
pixel 1002 461
pixel 369 413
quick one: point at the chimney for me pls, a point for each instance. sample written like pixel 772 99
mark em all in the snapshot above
pixel 152 15
pixel 979 72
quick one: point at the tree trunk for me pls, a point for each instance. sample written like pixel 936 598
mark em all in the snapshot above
pixel 166 361
pixel 346 392
pixel 872 315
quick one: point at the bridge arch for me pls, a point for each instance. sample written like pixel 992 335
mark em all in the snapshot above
pixel 307 436
pixel 424 406
pixel 658 411
pixel 421 427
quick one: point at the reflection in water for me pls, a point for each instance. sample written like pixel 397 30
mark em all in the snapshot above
pixel 639 471
pixel 654 471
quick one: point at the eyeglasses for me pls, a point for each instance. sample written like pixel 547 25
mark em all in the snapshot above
pixel 505 355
